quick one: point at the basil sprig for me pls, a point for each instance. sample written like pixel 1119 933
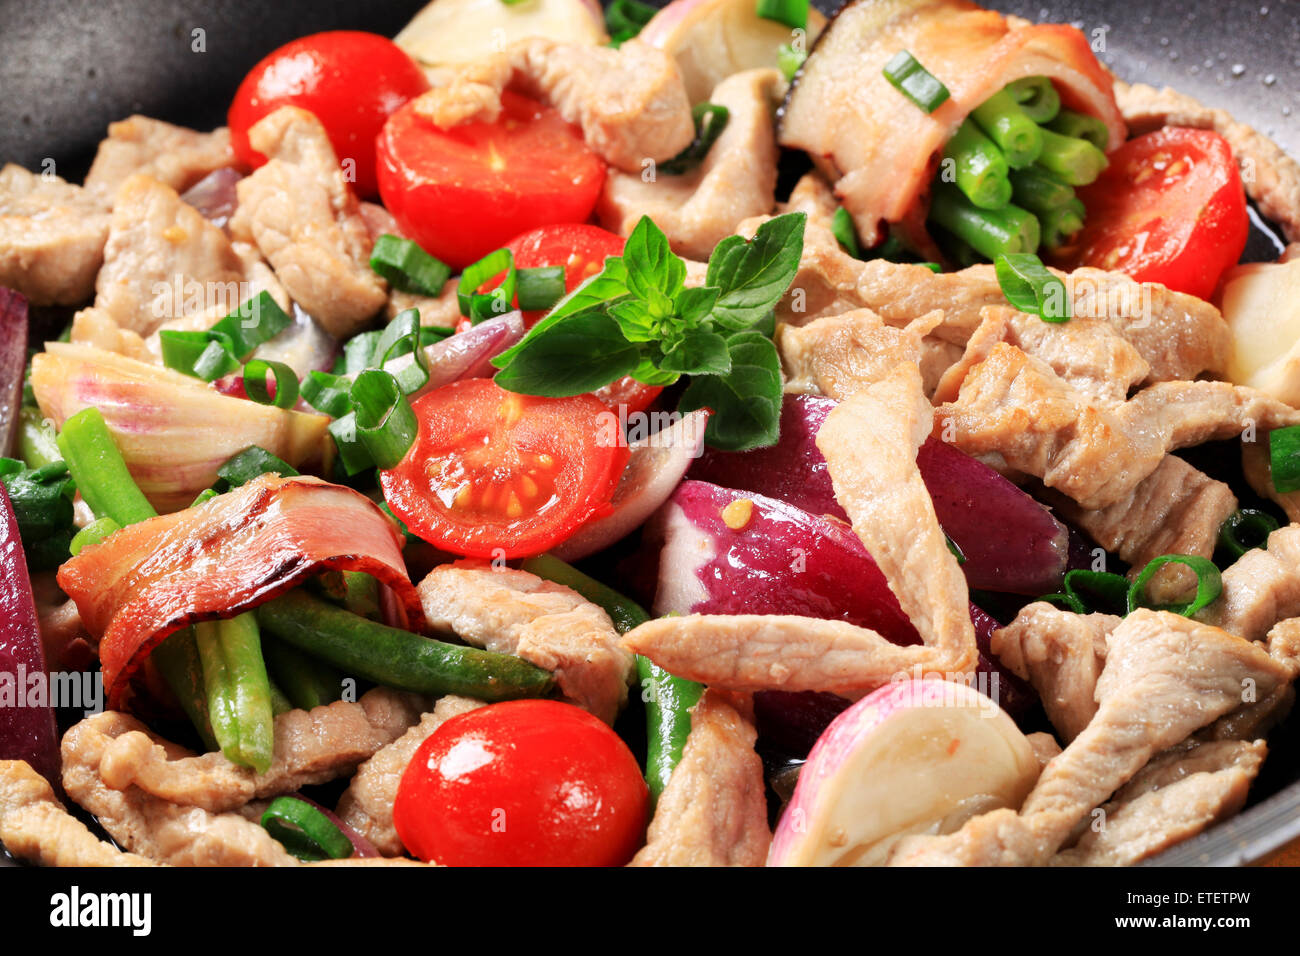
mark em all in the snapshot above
pixel 637 317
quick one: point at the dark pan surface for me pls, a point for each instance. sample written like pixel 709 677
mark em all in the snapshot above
pixel 69 67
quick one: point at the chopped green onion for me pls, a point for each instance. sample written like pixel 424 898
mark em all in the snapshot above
pixel 203 497
pixel 286 383
pixel 354 457
pixel 99 470
pixel 305 831
pixel 93 533
pixel 1037 97
pixel 1209 583
pixel 477 306
pixel 1081 126
pixel 541 287
pixel 934 267
pixel 327 393
pixel 1284 458
pixel 789 60
pixel 1255 525
pixel 845 233
pixel 207 355
pixel 1097 591
pixel 624 19
pixel 1064 601
pixel 710 120
pixel 385 422
pixel 914 81
pixel 400 337
pixel 359 352
pixel 407 267
pixel 252 462
pixel 256 321
pixel 956 550
pixel 793 13
pixel 1029 287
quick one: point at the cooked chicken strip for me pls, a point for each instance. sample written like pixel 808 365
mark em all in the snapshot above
pixel 151 826
pixel 173 155
pixel 1271 177
pixel 1176 798
pixel 1174 510
pixel 1261 588
pixel 1061 655
pixel 367 804
pixel 737 179
pixel 547 624
pixel 870 443
pixel 840 355
pixel 36 828
pixel 1015 406
pixel 310 748
pixel 1165 677
pixel 630 102
pixel 52 237
pixel 163 260
pixel 299 211
pixel 94 327
pixel 713 811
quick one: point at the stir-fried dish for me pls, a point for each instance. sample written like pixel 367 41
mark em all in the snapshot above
pixel 707 436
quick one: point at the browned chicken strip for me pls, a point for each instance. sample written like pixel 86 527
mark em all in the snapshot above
pixel 173 155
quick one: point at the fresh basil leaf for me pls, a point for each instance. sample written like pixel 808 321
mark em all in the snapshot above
pixel 583 353
pixel 694 305
pixel 698 352
pixel 606 286
pixel 746 402
pixel 752 276
pixel 654 272
pixel 634 319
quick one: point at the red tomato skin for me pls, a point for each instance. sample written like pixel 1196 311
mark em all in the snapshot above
pixel 567 429
pixel 352 81
pixel 1192 228
pixel 464 192
pixel 523 783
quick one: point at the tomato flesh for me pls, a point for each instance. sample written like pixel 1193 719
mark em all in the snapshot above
pixel 523 783
pixel 497 474
pixel 352 81
pixel 465 191
pixel 1170 209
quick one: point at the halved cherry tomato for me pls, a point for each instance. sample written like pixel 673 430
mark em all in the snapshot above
pixel 524 783
pixel 1169 209
pixel 465 191
pixel 352 81
pixel 497 474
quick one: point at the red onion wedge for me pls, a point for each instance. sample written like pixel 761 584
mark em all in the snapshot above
pixel 13 362
pixel 214 195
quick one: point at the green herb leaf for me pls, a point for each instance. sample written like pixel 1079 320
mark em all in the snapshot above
pixel 698 352
pixel 579 355
pixel 693 306
pixel 652 267
pixel 605 286
pixel 746 402
pixel 752 276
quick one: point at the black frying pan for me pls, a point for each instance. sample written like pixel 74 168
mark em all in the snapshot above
pixel 69 67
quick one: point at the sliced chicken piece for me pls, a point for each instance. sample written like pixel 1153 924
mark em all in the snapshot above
pixel 367 804
pixel 94 327
pixel 1045 747
pixel 1171 799
pixel 1061 655
pixel 1174 510
pixel 1261 588
pixel 442 310
pixel 840 355
pixel 1271 177
pixel 163 260
pixel 1087 353
pixel 1015 406
pixel 173 155
pixel 870 442
pixel 310 748
pixel 547 624
pixel 812 196
pixel 1165 677
pixel 300 212
pixel 713 811
pixel 631 102
pixel 1179 336
pixel 736 180
pixel 151 826
pixel 52 237
pixel 35 827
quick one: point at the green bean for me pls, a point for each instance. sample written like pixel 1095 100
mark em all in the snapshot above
pixel 397 658
pixel 99 471
pixel 1037 97
pixel 1038 190
pixel 239 692
pixel 1076 161
pixel 1061 224
pixel 977 166
pixel 1009 126
pixel 1081 126
pixel 177 659
pixel 623 611
pixel 307 682
pixel 991 232
pixel 668 701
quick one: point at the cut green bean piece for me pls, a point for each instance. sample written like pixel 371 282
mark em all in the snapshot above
pixel 238 689
pixel 93 533
pixel 668 701
pixel 177 659
pixel 1081 126
pixel 1003 121
pixel 99 471
pixel 977 166
pixel 991 232
pixel 1062 224
pixel 1037 97
pixel 306 681
pixel 1076 161
pixel 1039 191
pixel 623 611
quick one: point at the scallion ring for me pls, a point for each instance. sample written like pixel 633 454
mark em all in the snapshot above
pixel 1248 523
pixel 93 533
pixel 385 422
pixel 906 74
pixel 1209 583
pixel 477 306
pixel 286 383
pixel 1284 458
pixel 327 393
pixel 205 355
pixel 407 267
pixel 305 831
pixel 793 13
pixel 402 337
